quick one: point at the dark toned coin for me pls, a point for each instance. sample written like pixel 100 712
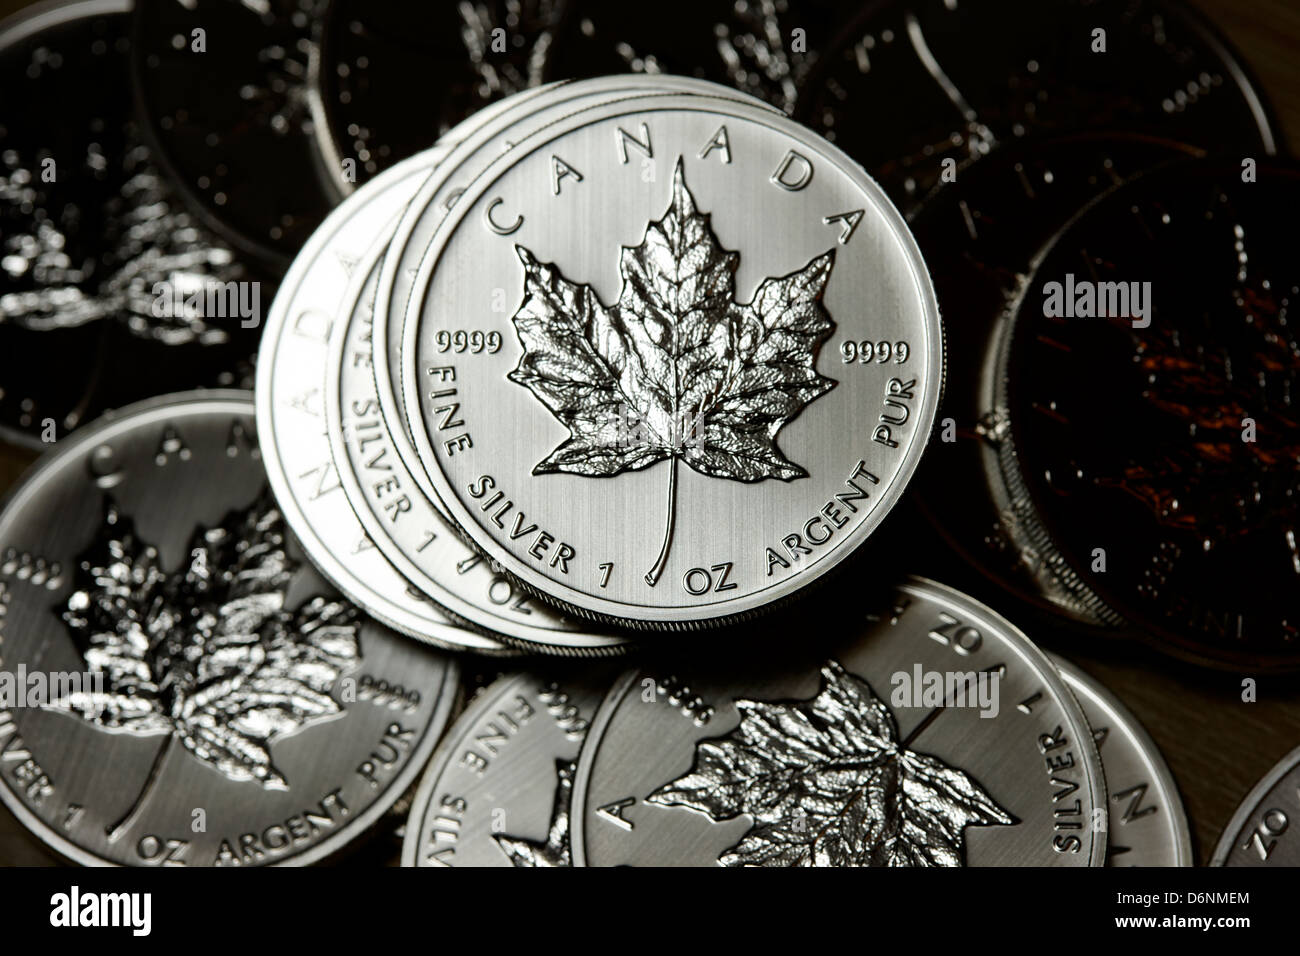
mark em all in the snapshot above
pixel 228 95
pixel 110 290
pixel 979 235
pixel 451 59
pixel 761 47
pixel 1149 386
pixel 912 83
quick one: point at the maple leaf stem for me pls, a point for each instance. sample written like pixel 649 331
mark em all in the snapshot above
pixel 117 829
pixel 652 576
pixel 930 718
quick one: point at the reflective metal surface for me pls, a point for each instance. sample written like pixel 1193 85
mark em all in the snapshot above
pixel 869 749
pixel 760 325
pixel 1147 826
pixel 499 789
pixel 208 699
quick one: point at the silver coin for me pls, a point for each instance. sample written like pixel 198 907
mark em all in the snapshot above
pixel 498 791
pixel 514 118
pixel 937 735
pixel 523 409
pixel 1261 832
pixel 208 699
pixel 292 418
pixel 396 514
pixel 1147 825
pixel 394 505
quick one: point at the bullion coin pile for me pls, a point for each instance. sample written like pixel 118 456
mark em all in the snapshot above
pixel 582 465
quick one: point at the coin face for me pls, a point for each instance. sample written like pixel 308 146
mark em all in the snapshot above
pixel 1147 825
pixel 452 58
pixel 184 688
pixel 230 107
pixel 101 267
pixel 937 735
pixel 596 430
pixel 399 519
pixel 979 235
pixel 1258 833
pixel 981 75
pixel 292 418
pixel 499 789
pixel 1179 514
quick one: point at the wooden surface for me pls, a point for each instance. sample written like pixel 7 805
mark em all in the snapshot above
pixel 1216 745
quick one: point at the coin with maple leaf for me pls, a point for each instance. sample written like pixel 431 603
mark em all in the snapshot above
pixel 499 788
pixel 936 735
pixel 1179 514
pixel 366 427
pixel 653 438
pixel 980 235
pixel 187 690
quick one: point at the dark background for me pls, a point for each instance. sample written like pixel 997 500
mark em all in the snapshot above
pixel 1217 746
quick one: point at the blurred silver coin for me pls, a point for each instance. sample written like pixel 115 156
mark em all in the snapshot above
pixel 498 791
pixel 580 317
pixel 1263 831
pixel 292 419
pixel 1147 825
pixel 511 121
pixel 110 290
pixel 936 735
pixel 190 691
pixel 398 517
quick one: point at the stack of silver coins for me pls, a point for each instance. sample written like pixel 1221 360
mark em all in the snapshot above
pixel 560 524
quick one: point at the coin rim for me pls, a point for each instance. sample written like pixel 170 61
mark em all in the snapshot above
pixel 1249 804
pixel 458 606
pixel 452 739
pixel 1081 683
pixel 409 620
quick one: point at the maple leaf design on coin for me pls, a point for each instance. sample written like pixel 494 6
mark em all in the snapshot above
pixel 827 783
pixel 676 370
pixel 208 655
pixel 146 241
pixel 555 850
